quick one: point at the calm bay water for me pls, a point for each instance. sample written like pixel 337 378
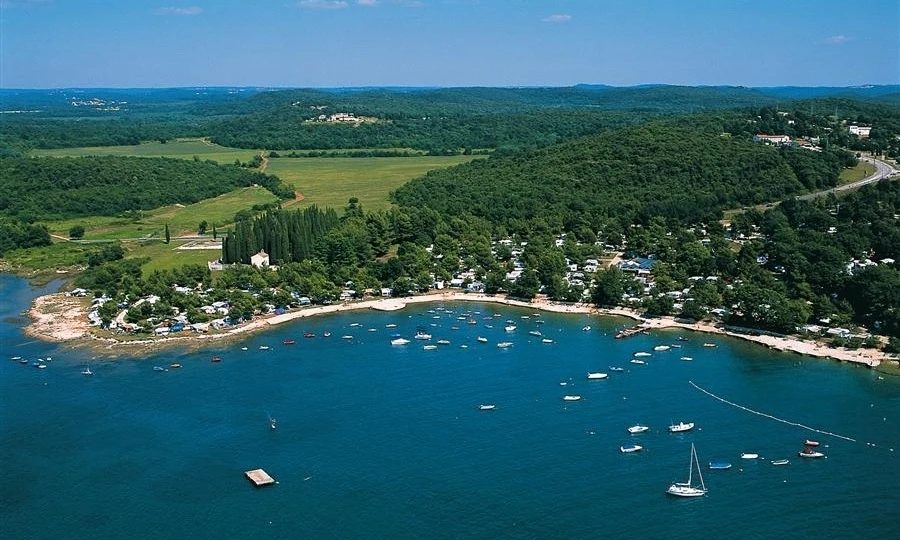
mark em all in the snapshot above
pixel 375 441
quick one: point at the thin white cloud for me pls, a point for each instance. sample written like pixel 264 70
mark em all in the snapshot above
pixel 322 4
pixel 367 3
pixel 193 10
pixel 557 18
pixel 838 39
pixel 409 3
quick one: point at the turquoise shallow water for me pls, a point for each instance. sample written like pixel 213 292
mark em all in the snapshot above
pixel 375 441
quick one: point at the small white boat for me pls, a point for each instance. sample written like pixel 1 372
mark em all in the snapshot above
pixel 661 348
pixel 629 448
pixel 571 398
pixel 348 336
pixel 597 375
pixel 87 371
pixel 400 341
pixel 264 347
pixel 546 340
pixel 510 328
pixel 504 344
pixel 486 407
pixel 808 442
pixel 534 333
pixel 586 328
pixel 681 426
pixel 638 429
pixel 243 348
pixel 710 345
pixel 423 336
pixel 810 453
pixel 749 455
pixel 687 358
pixel 481 339
pixel 429 347
pixel 637 361
pixel 354 325
pixel 443 342
pixel 390 325
pixel 642 355
pixel 616 368
pixel 779 462
pixel 719 465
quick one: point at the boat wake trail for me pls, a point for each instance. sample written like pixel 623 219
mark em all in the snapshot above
pixel 783 421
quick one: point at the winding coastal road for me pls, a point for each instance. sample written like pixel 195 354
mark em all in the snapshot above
pixel 882 170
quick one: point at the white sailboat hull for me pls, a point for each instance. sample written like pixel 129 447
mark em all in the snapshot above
pixel 683 490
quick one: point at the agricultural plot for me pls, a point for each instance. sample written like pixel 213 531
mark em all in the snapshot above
pixel 331 182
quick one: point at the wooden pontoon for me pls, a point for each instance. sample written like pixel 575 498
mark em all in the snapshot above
pixel 259 477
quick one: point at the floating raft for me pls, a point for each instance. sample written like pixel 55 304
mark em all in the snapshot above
pixel 259 477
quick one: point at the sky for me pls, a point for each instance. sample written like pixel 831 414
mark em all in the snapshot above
pixel 339 43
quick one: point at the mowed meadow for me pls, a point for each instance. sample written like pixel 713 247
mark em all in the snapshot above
pixel 331 182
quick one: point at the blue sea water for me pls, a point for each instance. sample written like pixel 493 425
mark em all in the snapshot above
pixel 381 441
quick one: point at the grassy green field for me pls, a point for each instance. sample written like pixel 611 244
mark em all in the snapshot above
pixel 330 182
pixel 182 220
pixel 326 182
pixel 180 148
pixel 859 172
pixel 164 256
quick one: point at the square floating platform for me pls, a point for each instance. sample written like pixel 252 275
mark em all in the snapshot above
pixel 259 477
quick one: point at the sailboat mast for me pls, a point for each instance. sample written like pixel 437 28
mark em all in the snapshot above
pixel 691 465
pixel 699 473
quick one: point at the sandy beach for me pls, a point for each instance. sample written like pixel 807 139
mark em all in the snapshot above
pixel 62 318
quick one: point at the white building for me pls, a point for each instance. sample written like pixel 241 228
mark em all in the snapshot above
pixel 860 131
pixel 260 260
pixel 772 139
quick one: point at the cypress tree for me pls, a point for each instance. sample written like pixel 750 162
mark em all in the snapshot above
pixel 167 233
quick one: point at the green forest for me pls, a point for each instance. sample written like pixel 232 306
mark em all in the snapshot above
pixel 628 176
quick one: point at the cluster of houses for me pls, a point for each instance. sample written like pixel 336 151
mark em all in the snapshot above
pixel 339 117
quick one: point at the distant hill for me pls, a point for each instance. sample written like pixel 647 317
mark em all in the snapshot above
pixel 812 92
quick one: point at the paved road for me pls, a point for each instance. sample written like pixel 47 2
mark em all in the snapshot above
pixel 882 170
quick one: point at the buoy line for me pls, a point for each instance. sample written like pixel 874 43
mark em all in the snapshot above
pixel 783 421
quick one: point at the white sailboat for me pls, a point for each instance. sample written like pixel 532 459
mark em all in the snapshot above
pixel 689 489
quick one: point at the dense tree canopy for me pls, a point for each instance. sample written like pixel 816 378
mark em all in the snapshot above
pixel 630 175
pixel 52 188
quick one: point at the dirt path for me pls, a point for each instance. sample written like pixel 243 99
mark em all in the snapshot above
pixel 265 161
